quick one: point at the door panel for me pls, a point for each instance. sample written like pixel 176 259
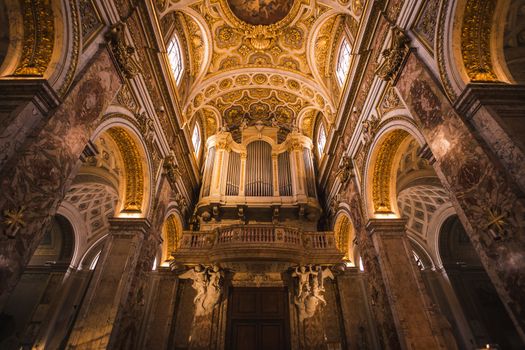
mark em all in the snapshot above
pixel 258 319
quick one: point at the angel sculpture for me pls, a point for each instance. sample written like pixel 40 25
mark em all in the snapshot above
pixel 207 284
pixel 310 289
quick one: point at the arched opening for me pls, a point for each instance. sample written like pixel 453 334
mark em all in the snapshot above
pixel 344 237
pixel 484 311
pixel 171 236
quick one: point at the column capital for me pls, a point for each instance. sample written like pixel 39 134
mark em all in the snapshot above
pixel 503 98
pixel 386 226
pixel 129 226
pixel 17 91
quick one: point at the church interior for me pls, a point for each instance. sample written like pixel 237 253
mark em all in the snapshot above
pixel 262 174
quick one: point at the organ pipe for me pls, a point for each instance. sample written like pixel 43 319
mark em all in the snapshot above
pixel 259 173
pixel 234 174
pixel 285 175
pixel 208 172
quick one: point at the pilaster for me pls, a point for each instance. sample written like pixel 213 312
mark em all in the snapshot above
pixel 25 104
pixel 497 114
pixel 109 288
pixel 406 293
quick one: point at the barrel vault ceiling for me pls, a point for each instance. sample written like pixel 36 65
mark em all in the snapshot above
pixel 259 61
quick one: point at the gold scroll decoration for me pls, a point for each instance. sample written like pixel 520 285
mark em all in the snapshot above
pixel 39 38
pixel 475 40
pixel 383 171
pixel 134 175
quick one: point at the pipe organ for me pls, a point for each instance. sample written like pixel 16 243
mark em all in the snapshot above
pixel 258 179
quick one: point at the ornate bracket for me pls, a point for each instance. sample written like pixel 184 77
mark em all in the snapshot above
pixel 122 52
pixel 171 170
pixel 345 172
pixel 394 56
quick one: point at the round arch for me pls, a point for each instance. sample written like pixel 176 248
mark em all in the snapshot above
pixel 136 189
pixel 344 236
pixel 381 165
pixel 171 235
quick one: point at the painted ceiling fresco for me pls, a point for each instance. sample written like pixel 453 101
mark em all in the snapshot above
pixel 260 12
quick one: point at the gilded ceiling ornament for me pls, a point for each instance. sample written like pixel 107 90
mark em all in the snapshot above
pixel 475 40
pixel 382 175
pixel 39 38
pixel 122 52
pixel 394 56
pixel 134 173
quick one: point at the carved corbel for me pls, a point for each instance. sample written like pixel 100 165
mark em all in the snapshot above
pixel 171 170
pixel 346 171
pixel 121 51
pixel 394 56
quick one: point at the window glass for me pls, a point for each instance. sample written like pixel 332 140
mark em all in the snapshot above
pixel 343 62
pixel 321 139
pixel 175 58
pixel 196 138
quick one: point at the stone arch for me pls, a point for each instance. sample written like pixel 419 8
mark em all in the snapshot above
pixel 74 217
pixel 344 235
pixel 171 236
pixel 381 163
pixel 44 41
pixel 135 191
pixel 470 41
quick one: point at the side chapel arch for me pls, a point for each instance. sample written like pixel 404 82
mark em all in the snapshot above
pixel 135 191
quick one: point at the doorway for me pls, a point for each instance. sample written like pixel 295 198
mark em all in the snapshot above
pixel 258 319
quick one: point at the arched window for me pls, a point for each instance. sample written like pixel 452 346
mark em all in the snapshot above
pixel 343 62
pixel 175 58
pixel 321 139
pixel 196 138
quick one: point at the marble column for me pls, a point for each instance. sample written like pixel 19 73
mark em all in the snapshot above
pixel 109 288
pixel 35 180
pixel 488 202
pixel 416 328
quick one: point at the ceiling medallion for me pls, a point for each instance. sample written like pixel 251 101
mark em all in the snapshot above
pixel 260 12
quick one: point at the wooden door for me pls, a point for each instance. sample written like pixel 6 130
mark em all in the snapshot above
pixel 258 319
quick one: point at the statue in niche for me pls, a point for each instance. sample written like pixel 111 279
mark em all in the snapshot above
pixel 207 282
pixel 310 291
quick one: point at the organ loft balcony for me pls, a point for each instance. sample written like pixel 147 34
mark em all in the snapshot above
pixel 258 202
